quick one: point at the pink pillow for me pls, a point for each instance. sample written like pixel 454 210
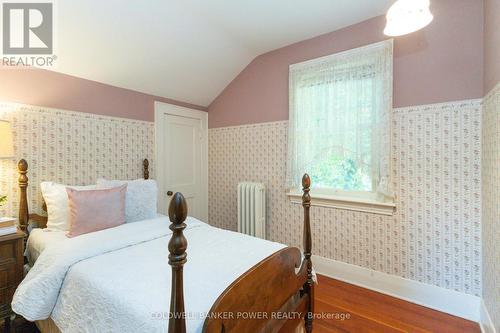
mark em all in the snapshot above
pixel 93 210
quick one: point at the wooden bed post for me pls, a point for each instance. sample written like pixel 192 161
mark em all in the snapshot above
pixel 177 212
pixel 145 168
pixel 309 286
pixel 22 167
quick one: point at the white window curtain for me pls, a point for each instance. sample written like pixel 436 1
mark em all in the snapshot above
pixel 340 121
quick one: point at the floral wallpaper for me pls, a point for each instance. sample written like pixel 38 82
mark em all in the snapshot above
pixel 491 204
pixel 72 148
pixel 435 235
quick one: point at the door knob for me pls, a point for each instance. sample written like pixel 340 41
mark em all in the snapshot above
pixel 169 193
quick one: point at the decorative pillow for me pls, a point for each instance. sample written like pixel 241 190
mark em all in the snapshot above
pixel 56 199
pixel 94 210
pixel 141 198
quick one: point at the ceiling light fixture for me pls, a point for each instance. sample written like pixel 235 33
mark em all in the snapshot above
pixel 406 16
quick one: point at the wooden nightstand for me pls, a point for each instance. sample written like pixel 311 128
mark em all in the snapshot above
pixel 11 270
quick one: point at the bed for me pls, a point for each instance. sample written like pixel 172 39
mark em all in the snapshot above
pixel 118 279
pixel 40 239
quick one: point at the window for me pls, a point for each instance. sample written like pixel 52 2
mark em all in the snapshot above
pixel 339 127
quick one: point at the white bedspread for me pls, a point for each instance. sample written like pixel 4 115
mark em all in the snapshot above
pixel 39 240
pixel 118 280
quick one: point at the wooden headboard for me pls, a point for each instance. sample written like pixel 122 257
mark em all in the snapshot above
pixel 38 221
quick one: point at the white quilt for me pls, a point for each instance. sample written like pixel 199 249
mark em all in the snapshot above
pixel 118 280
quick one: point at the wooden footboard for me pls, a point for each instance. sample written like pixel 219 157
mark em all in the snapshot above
pixel 275 295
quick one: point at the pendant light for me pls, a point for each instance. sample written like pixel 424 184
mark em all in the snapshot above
pixel 406 16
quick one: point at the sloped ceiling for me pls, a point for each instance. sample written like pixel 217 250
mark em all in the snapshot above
pixel 188 50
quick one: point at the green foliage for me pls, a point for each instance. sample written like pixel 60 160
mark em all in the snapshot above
pixel 3 200
pixel 338 172
pixel 349 176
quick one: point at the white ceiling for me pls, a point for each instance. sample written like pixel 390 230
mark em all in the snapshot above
pixel 188 50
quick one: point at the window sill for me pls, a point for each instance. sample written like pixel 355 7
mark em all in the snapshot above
pixel 345 202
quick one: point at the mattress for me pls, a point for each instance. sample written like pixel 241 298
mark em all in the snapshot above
pixel 39 240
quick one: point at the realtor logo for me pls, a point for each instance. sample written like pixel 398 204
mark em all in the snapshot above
pixel 27 28
pixel 28 33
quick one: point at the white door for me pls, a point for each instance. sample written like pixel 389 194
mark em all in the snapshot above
pixel 181 155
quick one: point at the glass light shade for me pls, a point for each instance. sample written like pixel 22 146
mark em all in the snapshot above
pixel 406 16
pixel 6 140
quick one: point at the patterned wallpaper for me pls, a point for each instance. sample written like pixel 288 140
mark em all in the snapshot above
pixel 491 204
pixel 434 236
pixel 71 148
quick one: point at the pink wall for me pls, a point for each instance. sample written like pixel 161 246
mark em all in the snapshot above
pixel 443 62
pixel 61 91
pixel 491 44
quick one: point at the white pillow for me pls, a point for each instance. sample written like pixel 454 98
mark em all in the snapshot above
pixel 56 199
pixel 140 200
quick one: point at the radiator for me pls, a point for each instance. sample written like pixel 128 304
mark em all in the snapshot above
pixel 252 209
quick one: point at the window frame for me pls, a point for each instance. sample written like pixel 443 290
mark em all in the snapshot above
pixel 361 201
pixel 364 201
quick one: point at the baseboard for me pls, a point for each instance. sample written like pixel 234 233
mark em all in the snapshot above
pixel 437 298
pixel 486 322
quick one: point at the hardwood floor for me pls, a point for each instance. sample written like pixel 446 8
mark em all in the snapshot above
pixel 358 310
pixel 344 308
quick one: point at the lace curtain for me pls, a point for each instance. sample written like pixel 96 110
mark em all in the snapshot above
pixel 340 121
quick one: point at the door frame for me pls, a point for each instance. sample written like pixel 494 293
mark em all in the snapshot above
pixel 175 110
